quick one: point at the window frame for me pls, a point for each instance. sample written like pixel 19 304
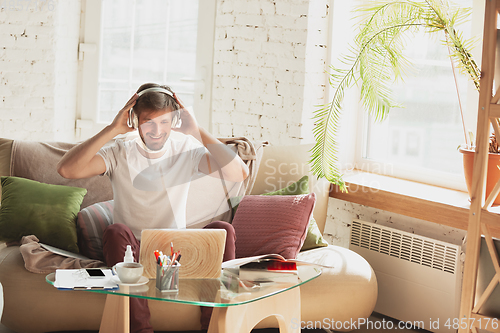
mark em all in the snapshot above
pixel 87 123
pixel 353 145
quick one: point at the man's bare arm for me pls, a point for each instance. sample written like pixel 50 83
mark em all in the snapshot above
pixel 82 161
pixel 221 157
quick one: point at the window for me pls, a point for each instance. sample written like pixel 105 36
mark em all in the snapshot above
pixel 139 41
pixel 419 142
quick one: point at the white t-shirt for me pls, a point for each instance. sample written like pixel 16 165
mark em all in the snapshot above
pixel 151 193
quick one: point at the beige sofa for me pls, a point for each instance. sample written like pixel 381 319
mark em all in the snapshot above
pixel 343 293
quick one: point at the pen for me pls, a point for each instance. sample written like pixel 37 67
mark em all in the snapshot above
pixel 157 257
pixel 172 261
pixel 171 249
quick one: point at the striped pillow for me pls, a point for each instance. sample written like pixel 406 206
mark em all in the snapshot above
pixel 90 224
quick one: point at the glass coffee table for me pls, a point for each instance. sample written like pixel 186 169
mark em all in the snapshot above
pixel 238 305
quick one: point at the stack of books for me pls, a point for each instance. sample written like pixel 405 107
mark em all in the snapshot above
pixel 260 269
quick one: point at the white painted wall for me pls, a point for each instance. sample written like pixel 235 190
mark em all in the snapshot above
pixel 38 70
pixel 268 56
pixel 342 213
pixel 268 73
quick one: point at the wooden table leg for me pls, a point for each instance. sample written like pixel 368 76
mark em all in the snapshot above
pixel 285 307
pixel 116 315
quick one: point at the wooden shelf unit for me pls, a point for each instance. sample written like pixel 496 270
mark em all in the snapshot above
pixel 481 220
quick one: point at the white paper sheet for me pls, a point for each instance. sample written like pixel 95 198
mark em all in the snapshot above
pixel 78 279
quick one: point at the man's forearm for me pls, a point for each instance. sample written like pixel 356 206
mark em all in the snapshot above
pixel 81 161
pixel 76 160
pixel 232 167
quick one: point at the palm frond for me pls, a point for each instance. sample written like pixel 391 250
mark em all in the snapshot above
pixel 324 162
pixel 376 60
pixel 462 57
pixel 382 60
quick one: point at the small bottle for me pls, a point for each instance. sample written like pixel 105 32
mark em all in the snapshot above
pixel 129 256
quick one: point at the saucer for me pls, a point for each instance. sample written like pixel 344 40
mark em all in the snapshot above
pixel 142 280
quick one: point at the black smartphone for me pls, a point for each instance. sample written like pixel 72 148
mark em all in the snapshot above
pixel 95 273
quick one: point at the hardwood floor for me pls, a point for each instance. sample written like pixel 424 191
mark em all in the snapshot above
pixel 376 325
pixel 376 320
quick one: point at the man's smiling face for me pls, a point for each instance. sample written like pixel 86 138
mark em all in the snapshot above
pixel 155 127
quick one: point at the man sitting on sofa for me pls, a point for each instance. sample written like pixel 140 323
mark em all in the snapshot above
pixel 150 176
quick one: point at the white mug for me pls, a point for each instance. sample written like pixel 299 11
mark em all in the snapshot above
pixel 128 272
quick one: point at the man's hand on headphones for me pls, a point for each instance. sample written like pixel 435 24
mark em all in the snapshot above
pixel 120 123
pixel 186 119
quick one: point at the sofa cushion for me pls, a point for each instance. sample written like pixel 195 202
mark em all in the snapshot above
pixel 46 155
pixel 301 186
pixel 90 224
pixel 272 224
pixel 44 210
pixel 314 238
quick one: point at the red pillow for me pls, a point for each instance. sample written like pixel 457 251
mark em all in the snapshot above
pixel 272 224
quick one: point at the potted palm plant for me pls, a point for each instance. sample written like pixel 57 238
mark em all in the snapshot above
pixel 376 60
pixel 493 171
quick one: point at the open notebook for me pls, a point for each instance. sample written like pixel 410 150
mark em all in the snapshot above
pixel 202 251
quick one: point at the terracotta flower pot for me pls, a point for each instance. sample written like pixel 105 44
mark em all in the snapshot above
pixel 492 176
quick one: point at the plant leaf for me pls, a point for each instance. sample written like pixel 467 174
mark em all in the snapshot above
pixel 376 60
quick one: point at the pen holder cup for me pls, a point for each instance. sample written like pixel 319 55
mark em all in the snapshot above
pixel 167 277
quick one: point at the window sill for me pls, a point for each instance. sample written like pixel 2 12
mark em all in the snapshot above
pixel 422 201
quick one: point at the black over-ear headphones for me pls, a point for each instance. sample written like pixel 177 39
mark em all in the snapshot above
pixel 133 120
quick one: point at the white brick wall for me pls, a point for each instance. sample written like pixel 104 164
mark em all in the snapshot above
pixel 316 60
pixel 268 69
pixel 38 70
pixel 264 87
pixel 342 213
pixel 66 69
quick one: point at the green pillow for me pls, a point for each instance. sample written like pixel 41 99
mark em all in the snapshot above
pixel 46 211
pixel 301 186
pixel 314 238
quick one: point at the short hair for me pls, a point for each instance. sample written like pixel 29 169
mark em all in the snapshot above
pixel 155 100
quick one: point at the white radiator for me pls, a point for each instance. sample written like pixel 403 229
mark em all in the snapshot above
pixel 419 278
